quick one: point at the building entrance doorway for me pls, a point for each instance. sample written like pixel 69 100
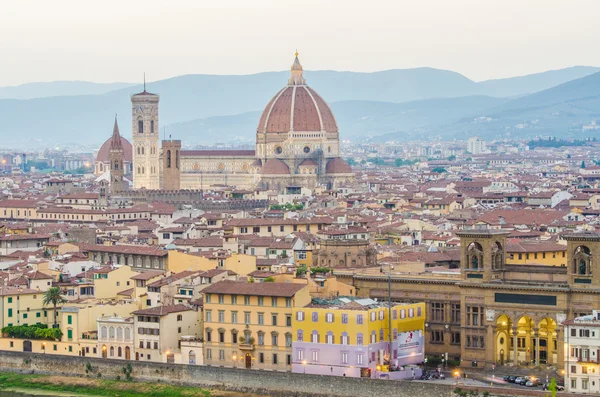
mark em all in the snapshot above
pixel 248 361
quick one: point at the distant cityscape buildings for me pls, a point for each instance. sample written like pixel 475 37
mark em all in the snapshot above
pixel 476 145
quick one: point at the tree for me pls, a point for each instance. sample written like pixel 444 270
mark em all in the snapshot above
pixel 351 162
pixel 53 297
pixel 399 162
pixel 451 157
pixel 439 170
pixel 269 279
pixel 583 164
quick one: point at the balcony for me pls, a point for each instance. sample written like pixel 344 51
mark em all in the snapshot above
pixel 246 345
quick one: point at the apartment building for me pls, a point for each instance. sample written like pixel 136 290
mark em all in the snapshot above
pixel 249 325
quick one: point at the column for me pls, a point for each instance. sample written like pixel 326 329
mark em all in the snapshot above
pixel 560 356
pixel 490 345
pixel 515 350
pixel 536 333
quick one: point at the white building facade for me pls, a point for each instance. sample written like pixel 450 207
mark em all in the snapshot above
pixel 582 354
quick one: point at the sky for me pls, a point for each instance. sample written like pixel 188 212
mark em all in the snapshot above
pixel 111 41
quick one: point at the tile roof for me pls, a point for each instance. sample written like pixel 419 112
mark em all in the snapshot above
pixel 256 289
pixel 162 310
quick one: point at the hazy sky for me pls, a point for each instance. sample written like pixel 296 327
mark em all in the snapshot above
pixel 112 40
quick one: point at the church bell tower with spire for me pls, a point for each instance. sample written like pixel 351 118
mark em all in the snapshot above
pixel 116 156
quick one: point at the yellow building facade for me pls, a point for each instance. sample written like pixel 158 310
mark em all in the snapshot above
pixel 357 337
pixel 249 325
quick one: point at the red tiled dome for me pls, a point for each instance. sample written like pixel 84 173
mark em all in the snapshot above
pixel 297 107
pixel 337 166
pixel 308 163
pixel 105 148
pixel 275 167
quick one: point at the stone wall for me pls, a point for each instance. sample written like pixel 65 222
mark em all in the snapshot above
pixel 256 381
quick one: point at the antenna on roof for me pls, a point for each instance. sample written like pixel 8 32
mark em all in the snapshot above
pixel 144 81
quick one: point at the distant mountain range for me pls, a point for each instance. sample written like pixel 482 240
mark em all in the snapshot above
pixel 410 103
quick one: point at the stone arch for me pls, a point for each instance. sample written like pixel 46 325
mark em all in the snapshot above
pixel 502 338
pixel 497 256
pixel 547 340
pixel 475 256
pixel 582 261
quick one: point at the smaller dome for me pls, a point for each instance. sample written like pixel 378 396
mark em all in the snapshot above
pixel 308 163
pixel 102 155
pixel 337 166
pixel 256 163
pixel 275 167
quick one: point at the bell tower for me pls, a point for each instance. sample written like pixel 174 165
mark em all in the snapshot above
pixel 116 155
pixel 171 167
pixel 144 128
pixel 482 254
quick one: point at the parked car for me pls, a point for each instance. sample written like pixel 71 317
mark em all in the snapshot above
pixel 518 380
pixel 533 382
pixel 524 380
pixel 512 379
pixel 506 378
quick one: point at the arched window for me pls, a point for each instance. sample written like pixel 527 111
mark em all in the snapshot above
pixel 143 150
pixel 120 334
pixel 112 351
pixel 288 339
pixel 381 335
pixel 119 351
pixel 582 261
pixel 111 332
pixel 345 340
pixel 152 126
pixel 300 336
pixel 177 159
pixel 116 164
pixel 330 339
pixel 497 256
pixel 103 332
pixel 140 126
pixel 475 256
pixel 314 337
pixel 192 358
pixel 373 337
pixel 168 159
pixel 359 339
pixel 127 334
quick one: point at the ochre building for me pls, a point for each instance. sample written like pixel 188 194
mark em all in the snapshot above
pixel 494 312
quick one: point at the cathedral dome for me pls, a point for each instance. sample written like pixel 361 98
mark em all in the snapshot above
pixel 275 167
pixel 337 166
pixel 102 155
pixel 297 107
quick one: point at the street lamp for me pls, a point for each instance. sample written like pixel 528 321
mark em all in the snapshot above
pixel 234 359
pixel 304 363
pixel 44 347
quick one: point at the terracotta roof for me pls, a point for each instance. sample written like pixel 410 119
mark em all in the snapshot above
pixel 162 310
pixel 18 203
pixel 299 104
pixel 102 155
pixel 124 249
pixel 256 289
pixel 147 275
pixel 13 237
pixel 218 153
pixel 308 163
pixel 275 167
pixel 337 166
